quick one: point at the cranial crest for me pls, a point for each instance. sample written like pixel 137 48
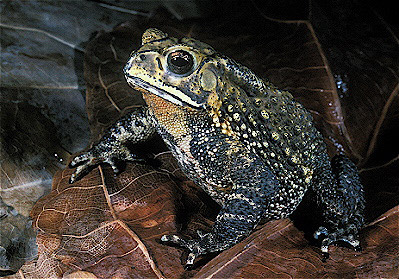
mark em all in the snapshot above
pixel 152 34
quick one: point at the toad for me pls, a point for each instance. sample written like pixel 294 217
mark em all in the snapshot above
pixel 250 146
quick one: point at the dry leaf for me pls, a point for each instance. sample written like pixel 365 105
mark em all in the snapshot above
pixel 108 226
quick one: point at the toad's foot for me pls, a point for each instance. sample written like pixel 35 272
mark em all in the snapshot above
pixel 206 243
pixel 337 237
pixel 95 156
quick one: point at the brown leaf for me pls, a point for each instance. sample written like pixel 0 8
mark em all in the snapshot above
pixel 108 94
pixel 108 226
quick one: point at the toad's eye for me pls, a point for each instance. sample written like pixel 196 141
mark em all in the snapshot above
pixel 180 62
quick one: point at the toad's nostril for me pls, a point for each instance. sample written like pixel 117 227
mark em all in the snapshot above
pixel 142 57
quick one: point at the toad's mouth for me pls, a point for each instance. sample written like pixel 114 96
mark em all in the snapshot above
pixel 173 94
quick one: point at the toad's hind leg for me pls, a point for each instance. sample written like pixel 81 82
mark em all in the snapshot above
pixel 340 193
pixel 254 186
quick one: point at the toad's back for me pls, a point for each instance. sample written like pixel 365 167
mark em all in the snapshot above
pixel 281 131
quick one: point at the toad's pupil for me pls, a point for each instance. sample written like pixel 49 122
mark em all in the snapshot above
pixel 180 62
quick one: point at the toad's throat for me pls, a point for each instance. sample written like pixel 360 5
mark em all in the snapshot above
pixel 174 95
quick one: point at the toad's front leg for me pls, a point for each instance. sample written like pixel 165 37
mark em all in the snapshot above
pixel 133 128
pixel 242 210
